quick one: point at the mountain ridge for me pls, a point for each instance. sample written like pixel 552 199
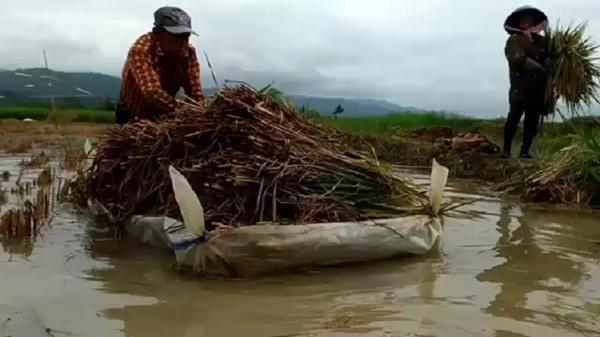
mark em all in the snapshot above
pixel 91 89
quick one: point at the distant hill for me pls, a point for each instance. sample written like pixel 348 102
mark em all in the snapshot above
pixel 35 82
pixel 352 107
pixel 79 89
pixel 71 89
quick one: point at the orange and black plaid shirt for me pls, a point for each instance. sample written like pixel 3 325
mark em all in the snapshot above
pixel 151 82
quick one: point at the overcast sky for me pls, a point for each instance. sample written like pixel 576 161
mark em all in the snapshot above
pixel 436 54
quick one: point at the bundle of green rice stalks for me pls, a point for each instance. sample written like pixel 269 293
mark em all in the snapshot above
pixel 571 176
pixel 250 159
pixel 573 72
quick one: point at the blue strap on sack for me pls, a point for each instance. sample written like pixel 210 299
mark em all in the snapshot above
pixel 186 244
pixel 180 238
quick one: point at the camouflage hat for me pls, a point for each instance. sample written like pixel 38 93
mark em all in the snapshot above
pixel 174 20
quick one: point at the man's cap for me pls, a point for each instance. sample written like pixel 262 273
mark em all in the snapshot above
pixel 174 20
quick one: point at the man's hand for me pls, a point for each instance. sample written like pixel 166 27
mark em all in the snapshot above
pixel 188 103
pixel 189 100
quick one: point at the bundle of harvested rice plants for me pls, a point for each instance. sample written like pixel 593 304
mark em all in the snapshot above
pixel 250 158
pixel 573 71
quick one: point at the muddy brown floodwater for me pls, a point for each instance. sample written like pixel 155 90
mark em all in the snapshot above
pixel 502 270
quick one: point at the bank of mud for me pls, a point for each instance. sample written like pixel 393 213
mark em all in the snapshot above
pixel 18 137
pixel 566 171
pixel 468 155
pixel 410 148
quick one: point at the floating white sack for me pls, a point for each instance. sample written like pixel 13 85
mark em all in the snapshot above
pixel 264 249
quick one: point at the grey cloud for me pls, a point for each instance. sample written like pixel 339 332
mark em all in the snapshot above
pixel 439 54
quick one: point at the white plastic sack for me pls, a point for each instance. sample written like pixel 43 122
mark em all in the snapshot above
pixel 151 230
pixel 265 249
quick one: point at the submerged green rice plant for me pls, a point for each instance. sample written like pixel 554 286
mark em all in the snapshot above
pixel 590 155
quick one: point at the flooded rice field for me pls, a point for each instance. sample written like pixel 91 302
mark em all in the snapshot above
pixel 502 269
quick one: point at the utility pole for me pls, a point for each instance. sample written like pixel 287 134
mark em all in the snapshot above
pixel 52 104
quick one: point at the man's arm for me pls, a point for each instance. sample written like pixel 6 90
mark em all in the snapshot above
pixel 515 53
pixel 192 85
pixel 148 81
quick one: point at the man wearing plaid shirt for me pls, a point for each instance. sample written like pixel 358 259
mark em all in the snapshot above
pixel 158 65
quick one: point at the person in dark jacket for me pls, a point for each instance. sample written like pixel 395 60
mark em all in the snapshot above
pixel 527 54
